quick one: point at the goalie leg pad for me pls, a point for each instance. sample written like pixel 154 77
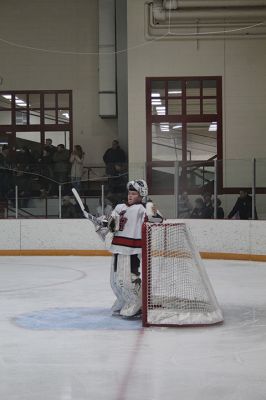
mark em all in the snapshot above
pixel 117 289
pixel 133 294
pixel 130 284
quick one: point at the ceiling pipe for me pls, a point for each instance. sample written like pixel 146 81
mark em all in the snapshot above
pixel 153 23
pixel 161 14
pixel 152 32
pixel 178 4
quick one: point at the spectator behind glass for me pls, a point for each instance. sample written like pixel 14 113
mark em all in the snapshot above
pixel 184 206
pixel 115 161
pixel 46 163
pixel 208 207
pixel 61 164
pixel 49 146
pixel 68 209
pixel 198 210
pixel 5 163
pixel 114 158
pixel 243 207
pixel 220 210
pixel 77 161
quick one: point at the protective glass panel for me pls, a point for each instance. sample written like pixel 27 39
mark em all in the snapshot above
pixel 237 173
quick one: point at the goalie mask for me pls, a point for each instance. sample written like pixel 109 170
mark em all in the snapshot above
pixel 139 186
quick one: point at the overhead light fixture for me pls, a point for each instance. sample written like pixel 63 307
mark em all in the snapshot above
pixel 155 95
pixel 213 127
pixel 7 96
pixel 174 91
pixel 155 102
pixel 177 126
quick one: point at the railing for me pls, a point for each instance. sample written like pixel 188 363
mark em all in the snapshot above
pixel 175 186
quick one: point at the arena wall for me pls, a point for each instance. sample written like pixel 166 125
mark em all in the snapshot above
pixel 214 239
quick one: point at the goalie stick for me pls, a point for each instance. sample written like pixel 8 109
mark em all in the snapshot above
pixel 100 225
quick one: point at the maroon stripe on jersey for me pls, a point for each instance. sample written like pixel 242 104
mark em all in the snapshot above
pixel 123 241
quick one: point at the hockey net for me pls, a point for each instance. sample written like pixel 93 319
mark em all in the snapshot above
pixel 176 287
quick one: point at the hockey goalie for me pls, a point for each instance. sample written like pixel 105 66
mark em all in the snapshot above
pixel 126 224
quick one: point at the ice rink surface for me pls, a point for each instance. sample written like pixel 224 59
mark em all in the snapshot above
pixel 59 342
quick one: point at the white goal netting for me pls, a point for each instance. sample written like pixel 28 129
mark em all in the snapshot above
pixel 176 287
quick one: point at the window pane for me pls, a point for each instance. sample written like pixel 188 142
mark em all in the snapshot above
pixel 158 107
pixel 63 100
pixel 5 117
pixel 166 141
pixel 28 148
pixel 63 116
pixel 21 118
pixel 202 140
pixel 59 137
pixel 49 100
pixel 209 88
pixel 5 101
pixel 35 117
pixel 193 88
pixel 21 101
pixel 174 107
pixel 193 106
pixel 50 117
pixel 157 89
pixel 4 139
pixel 209 106
pixel 174 88
pixel 34 100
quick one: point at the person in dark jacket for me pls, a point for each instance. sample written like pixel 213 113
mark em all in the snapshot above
pixel 243 206
pixel 68 208
pixel 208 206
pixel 220 210
pixel 198 210
pixel 114 158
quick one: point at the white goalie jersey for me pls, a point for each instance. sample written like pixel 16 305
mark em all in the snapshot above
pixel 129 221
